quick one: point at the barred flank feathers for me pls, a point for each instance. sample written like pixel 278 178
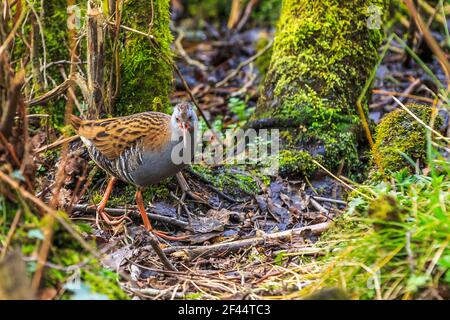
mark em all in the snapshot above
pixel 75 122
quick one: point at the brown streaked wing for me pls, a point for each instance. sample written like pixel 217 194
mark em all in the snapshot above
pixel 112 136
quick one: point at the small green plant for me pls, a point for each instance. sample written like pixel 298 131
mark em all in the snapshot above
pixel 240 109
pixel 395 243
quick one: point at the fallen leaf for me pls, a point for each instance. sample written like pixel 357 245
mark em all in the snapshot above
pixel 215 220
pixel 114 260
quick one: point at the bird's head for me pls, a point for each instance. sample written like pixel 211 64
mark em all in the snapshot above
pixel 184 118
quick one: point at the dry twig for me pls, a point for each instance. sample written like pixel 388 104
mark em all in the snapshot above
pixel 155 245
pixel 233 246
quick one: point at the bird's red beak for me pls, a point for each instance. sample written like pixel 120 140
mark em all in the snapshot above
pixel 184 129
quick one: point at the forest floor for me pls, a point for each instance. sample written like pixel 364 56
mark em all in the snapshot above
pixel 250 235
pixel 237 238
pixel 254 236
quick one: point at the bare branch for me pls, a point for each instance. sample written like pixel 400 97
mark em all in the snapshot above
pixel 220 248
pixel 14 100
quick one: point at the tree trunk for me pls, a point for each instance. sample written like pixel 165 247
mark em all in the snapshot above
pixel 127 71
pixel 145 75
pixel 323 54
pixel 96 61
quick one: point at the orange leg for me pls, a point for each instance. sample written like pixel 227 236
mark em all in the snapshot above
pixel 141 208
pixel 145 219
pixel 101 207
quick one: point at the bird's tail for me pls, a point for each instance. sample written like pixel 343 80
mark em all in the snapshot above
pixel 75 122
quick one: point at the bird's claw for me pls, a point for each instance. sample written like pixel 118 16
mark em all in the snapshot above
pixel 108 219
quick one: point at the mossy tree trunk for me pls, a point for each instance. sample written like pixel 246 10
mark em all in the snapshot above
pixel 96 61
pixel 127 71
pixel 145 75
pixel 323 54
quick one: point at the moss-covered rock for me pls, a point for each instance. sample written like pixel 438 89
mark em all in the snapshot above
pixel 231 180
pixel 322 56
pixel 399 136
pixel 296 163
pixel 384 209
pixel 146 77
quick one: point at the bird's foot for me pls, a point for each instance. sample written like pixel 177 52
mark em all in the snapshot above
pixel 100 212
pixel 108 219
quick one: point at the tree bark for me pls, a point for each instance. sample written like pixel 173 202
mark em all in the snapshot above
pixel 129 72
pixel 323 54
pixel 95 60
pixel 145 74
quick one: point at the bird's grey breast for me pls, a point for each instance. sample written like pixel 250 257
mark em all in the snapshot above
pixel 156 166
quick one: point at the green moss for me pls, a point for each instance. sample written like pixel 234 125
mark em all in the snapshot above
pixel 396 233
pixel 93 274
pixel 322 56
pixel 55 34
pixel 65 252
pixel 296 163
pixel 103 281
pixel 97 197
pixel 385 208
pixel 124 194
pixel 399 134
pixel 244 182
pixel 263 61
pixel 161 190
pixel 330 148
pixel 145 76
pixel 230 180
pixel 323 51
